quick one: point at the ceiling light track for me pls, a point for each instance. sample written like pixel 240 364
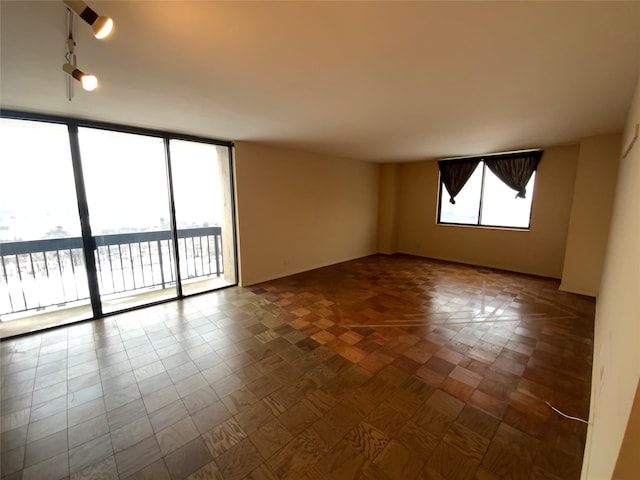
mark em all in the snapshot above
pixel 101 26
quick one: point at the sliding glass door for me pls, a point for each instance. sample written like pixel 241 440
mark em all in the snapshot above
pixel 97 219
pixel 42 267
pixel 125 177
pixel 203 204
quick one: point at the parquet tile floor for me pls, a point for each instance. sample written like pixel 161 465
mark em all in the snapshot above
pixel 386 367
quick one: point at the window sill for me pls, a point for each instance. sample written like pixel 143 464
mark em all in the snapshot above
pixel 484 227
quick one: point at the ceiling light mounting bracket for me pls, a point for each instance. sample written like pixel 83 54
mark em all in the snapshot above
pixel 70 56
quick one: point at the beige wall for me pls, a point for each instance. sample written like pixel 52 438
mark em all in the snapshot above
pixel 616 363
pixel 387 205
pixel 225 208
pixel 591 214
pixel 298 211
pixel 538 251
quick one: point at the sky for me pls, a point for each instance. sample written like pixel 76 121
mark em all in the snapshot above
pixel 125 180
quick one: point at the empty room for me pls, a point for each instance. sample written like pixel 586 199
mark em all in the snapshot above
pixel 319 240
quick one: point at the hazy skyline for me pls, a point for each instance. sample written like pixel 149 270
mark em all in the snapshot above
pixel 125 180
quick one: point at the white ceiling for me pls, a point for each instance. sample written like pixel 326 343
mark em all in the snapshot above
pixel 382 81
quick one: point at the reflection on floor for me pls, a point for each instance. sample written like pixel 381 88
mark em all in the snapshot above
pixel 380 368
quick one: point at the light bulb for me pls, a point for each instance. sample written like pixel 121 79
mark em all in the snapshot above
pixel 102 27
pixel 89 82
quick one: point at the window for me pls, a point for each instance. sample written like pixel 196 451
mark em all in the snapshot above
pixel 492 191
pixel 98 218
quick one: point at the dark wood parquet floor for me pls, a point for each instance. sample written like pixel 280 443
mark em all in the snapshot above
pixel 387 367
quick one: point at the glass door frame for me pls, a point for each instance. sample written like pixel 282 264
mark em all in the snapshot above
pixel 88 240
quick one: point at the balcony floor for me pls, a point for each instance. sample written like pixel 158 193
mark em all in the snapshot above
pixel 58 316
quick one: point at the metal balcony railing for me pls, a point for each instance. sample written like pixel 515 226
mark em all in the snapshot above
pixel 42 273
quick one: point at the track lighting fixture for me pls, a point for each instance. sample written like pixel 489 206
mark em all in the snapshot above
pixel 89 82
pixel 100 25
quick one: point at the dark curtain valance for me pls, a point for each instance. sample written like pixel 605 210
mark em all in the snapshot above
pixel 515 171
pixel 455 174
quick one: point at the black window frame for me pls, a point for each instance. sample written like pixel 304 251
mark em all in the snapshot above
pixel 72 125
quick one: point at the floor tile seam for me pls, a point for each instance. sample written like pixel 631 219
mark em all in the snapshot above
pixel 49 458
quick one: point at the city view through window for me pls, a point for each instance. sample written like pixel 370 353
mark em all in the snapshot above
pixel 493 204
pixel 126 180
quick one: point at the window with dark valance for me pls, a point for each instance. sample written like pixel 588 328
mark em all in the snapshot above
pixel 481 189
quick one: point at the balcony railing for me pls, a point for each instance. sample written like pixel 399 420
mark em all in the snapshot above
pixel 42 273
